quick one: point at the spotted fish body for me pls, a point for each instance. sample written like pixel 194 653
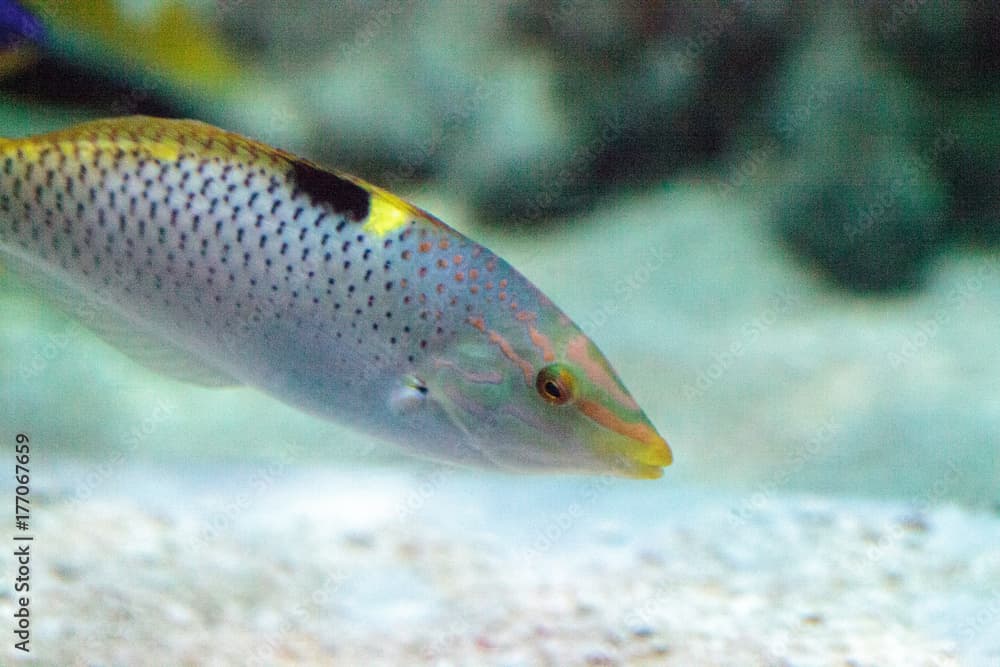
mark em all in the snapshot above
pixel 223 261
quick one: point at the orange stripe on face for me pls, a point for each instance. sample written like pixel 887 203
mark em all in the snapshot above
pixel 509 352
pixel 542 342
pixel 658 454
pixel 578 351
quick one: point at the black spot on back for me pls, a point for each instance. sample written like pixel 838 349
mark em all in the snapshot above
pixel 325 186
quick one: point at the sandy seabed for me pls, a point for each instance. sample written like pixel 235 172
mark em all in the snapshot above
pixel 262 565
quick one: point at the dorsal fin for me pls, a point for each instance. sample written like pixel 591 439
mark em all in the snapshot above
pixel 169 139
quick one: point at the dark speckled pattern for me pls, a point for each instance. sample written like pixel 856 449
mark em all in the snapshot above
pixel 220 260
pixel 202 243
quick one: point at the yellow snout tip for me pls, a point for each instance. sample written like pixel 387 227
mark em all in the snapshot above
pixel 635 458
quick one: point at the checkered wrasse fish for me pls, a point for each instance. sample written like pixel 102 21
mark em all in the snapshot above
pixel 222 261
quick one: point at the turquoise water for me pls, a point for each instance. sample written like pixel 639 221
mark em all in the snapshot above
pixel 246 506
pixel 758 376
pixel 835 495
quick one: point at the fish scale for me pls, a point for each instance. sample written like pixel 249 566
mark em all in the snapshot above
pixel 220 260
pixel 228 244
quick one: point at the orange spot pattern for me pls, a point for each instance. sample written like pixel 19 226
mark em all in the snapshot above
pixel 509 352
pixel 542 342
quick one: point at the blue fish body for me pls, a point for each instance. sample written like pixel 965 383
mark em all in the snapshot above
pixel 18 25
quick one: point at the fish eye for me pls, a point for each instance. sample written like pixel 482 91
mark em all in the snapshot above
pixel 554 383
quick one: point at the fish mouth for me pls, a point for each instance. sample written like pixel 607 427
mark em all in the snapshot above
pixel 632 448
pixel 636 459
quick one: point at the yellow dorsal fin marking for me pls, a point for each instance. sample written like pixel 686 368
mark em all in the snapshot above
pixel 160 138
pixel 170 140
pixel 388 212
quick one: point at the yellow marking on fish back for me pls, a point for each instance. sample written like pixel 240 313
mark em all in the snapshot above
pixel 158 138
pixel 166 150
pixel 171 140
pixel 387 212
pixel 29 149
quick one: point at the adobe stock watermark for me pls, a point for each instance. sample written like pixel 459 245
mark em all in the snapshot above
pixel 51 346
pixel 626 289
pixel 558 524
pixel 788 125
pixel 427 486
pixel 416 157
pixel 746 168
pixel 90 310
pixel 642 615
pixel 446 637
pixel 266 649
pixel 895 531
pixel 688 58
pixel 818 95
pixel 888 647
pixel 430 481
pixel 814 448
pixel 746 336
pixel 985 620
pixel 928 329
pixel 131 440
pixel 913 173
pixel 226 6
pixel 378 21
pixel 575 169
pixel 900 13
pixel 257 482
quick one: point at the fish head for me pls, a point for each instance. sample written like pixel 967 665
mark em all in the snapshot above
pixel 535 394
